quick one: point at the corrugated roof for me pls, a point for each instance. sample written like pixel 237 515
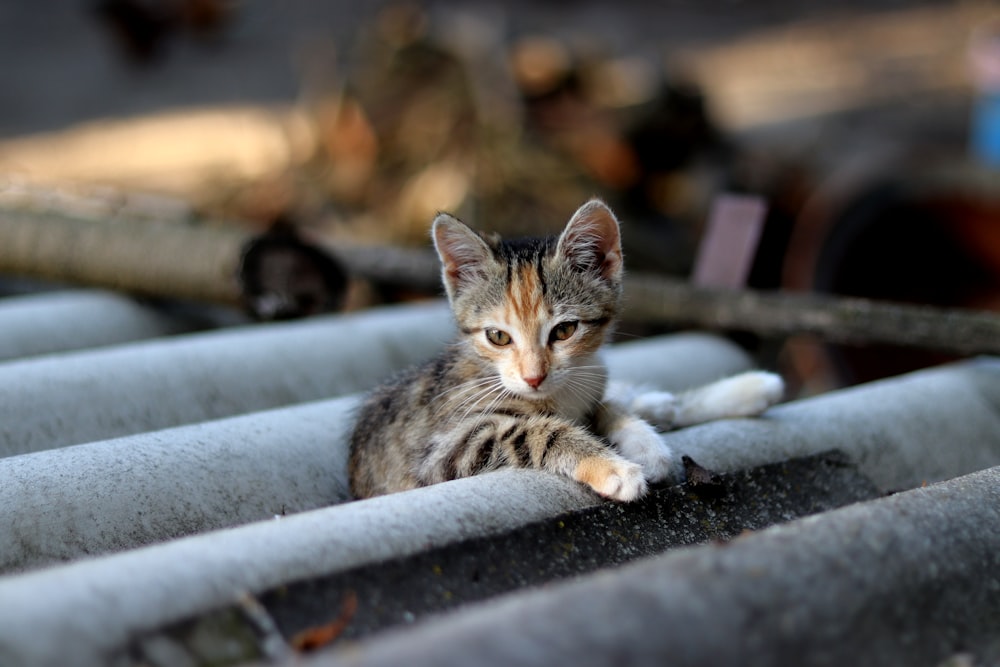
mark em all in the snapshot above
pixel 164 492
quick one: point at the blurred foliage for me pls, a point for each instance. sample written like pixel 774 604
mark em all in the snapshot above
pixel 509 134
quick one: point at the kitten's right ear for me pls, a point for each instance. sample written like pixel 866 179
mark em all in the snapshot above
pixel 591 241
pixel 462 251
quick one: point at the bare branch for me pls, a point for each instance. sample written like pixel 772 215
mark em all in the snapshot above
pixel 846 320
pixel 201 262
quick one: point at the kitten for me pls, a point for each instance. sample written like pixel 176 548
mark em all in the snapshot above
pixel 523 386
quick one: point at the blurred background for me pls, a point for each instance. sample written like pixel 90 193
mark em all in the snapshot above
pixel 871 129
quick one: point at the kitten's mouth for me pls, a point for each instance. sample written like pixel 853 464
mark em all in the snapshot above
pixel 523 391
pixel 535 396
pixel 536 393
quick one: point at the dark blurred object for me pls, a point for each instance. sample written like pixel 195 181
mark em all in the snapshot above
pixel 698 477
pixel 676 130
pixel 623 122
pixel 448 114
pixel 646 141
pixel 900 233
pixel 565 112
pixel 284 277
pixel 142 28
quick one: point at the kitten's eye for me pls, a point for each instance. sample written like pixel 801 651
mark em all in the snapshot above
pixel 497 337
pixel 562 331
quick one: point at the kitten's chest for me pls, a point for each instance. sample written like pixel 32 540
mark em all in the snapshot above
pixel 577 411
pixel 575 404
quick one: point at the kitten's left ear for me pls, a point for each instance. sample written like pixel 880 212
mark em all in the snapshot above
pixel 591 241
pixel 462 251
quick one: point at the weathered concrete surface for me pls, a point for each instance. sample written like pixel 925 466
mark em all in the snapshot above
pixel 401 591
pixel 116 494
pixel 921 427
pixel 50 402
pixel 97 606
pixel 92 608
pixel 906 580
pixel 79 319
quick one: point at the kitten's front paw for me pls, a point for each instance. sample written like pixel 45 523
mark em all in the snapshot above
pixel 616 479
pixel 639 442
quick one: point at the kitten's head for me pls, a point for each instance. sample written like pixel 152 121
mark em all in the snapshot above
pixel 535 310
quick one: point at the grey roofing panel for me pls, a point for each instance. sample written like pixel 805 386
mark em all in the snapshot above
pixel 138 489
pixel 926 426
pixel 68 320
pixel 97 606
pixel 911 579
pixel 54 401
pixel 409 589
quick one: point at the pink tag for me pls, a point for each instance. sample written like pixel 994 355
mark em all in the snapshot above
pixel 730 241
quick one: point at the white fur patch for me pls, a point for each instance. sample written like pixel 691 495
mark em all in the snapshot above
pixel 744 395
pixel 659 408
pixel 639 442
pixel 627 484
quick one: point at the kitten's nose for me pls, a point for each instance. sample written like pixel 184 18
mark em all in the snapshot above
pixel 535 381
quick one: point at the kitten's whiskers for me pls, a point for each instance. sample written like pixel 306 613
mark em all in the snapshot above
pixel 582 389
pixel 491 393
pixel 457 397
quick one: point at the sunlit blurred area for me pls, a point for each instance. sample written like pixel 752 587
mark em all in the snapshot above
pixel 871 130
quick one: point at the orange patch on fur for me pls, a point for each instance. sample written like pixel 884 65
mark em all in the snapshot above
pixel 524 298
pixel 525 295
pixel 594 470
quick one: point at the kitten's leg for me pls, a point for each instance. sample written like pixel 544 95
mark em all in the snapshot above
pixel 744 395
pixel 546 443
pixel 659 408
pixel 636 439
pixel 560 446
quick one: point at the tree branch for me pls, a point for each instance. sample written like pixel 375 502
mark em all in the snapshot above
pixel 201 263
pixel 659 300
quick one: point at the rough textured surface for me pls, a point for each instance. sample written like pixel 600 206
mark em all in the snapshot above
pixel 921 427
pixel 928 425
pixel 130 491
pixel 79 319
pixel 907 580
pixel 405 590
pixel 94 607
pixel 99 605
pixel 123 493
pixel 50 402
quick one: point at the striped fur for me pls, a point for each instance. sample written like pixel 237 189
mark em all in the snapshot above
pixel 523 385
pixel 531 401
